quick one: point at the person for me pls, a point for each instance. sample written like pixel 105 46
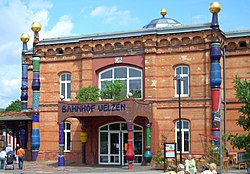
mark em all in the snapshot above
pixel 8 148
pixel 206 169
pixel 2 157
pixel 17 147
pixel 181 168
pixel 213 168
pixel 20 154
pixel 190 164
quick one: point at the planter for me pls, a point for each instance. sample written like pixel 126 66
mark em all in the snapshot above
pixel 159 166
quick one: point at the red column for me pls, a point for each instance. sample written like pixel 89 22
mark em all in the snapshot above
pixel 130 155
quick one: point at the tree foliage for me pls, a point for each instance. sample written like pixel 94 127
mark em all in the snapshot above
pixel 88 94
pixel 242 140
pixel 112 91
pixel 15 106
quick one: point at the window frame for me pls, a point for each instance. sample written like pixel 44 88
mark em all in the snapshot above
pixel 182 136
pixel 66 82
pixel 127 78
pixel 182 75
pixel 65 136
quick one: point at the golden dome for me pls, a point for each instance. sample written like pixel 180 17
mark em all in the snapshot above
pixel 163 12
pixel 25 37
pixel 36 26
pixel 215 7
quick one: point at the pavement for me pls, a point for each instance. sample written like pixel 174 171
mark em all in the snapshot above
pixel 44 167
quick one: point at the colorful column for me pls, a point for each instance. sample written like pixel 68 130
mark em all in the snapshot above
pixel 130 155
pixel 24 89
pixel 84 139
pixel 35 137
pixel 61 145
pixel 148 154
pixel 215 71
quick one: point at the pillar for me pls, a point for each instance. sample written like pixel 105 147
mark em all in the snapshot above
pixel 61 145
pixel 84 139
pixel 130 155
pixel 215 70
pixel 24 88
pixel 148 154
pixel 35 137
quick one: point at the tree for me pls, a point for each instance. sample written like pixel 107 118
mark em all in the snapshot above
pixel 88 94
pixel 242 140
pixel 114 91
pixel 15 106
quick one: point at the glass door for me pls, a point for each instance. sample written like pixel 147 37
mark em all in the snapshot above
pixel 114 148
pixel 124 147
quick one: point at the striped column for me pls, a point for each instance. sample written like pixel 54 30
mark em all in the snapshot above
pixel 148 154
pixel 130 155
pixel 215 70
pixel 24 88
pixel 35 137
pixel 61 145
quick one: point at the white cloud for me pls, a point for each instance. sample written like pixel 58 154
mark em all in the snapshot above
pixel 113 15
pixel 63 27
pixel 16 17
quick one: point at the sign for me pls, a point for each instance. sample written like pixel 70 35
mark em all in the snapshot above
pixel 91 107
pixel 217 119
pixel 170 150
pixel 118 59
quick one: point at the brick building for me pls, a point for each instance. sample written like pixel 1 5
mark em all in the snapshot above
pixel 147 60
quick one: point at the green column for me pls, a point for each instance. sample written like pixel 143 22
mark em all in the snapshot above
pixel 148 154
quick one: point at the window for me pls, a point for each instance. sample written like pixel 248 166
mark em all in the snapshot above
pixel 183 71
pixel 185 136
pixel 67 134
pixel 132 78
pixel 65 86
pixel 59 51
pixel 243 44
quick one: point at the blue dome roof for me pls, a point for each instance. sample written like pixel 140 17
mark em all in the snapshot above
pixel 162 22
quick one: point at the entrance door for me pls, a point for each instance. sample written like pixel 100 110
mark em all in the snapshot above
pixel 113 143
pixel 114 156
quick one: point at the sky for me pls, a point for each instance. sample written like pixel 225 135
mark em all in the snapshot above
pixel 67 18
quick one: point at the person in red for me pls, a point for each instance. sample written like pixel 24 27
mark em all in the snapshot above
pixel 20 154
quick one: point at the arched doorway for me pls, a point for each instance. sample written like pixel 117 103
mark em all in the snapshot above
pixel 113 139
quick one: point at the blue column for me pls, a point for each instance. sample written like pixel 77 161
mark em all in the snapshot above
pixel 35 137
pixel 24 88
pixel 61 145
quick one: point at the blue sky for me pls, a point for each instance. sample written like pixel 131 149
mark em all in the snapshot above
pixel 65 18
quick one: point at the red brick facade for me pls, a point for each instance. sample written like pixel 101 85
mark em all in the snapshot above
pixel 156 55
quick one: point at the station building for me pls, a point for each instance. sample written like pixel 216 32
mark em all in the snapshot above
pixel 146 60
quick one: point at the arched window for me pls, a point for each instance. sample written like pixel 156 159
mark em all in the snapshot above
pixel 183 71
pixel 67 137
pixel 185 135
pixel 65 86
pixel 132 78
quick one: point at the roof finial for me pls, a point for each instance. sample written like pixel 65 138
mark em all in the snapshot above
pixel 215 7
pixel 163 12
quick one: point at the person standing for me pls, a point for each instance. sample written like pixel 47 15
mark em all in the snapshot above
pixel 20 154
pixel 2 157
pixel 190 164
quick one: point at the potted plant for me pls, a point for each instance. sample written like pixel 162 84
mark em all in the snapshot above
pixel 242 140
